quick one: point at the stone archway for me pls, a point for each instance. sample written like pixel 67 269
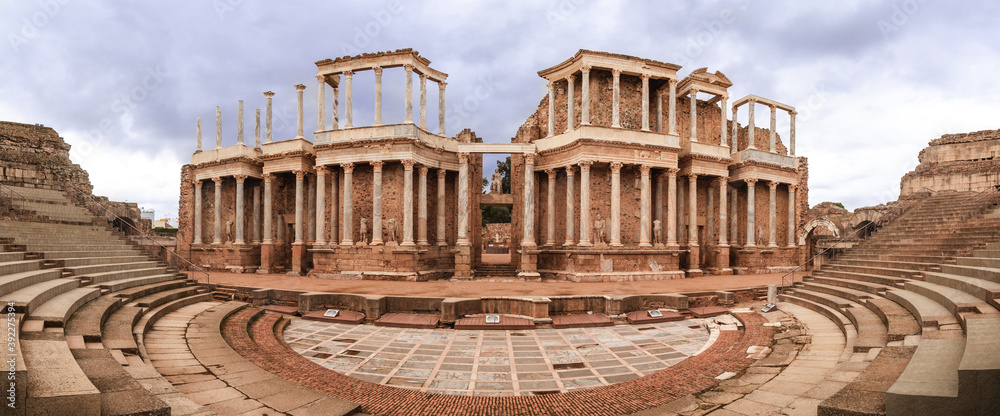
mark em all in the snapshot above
pixel 817 222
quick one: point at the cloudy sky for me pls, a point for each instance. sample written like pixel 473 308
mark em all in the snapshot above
pixel 124 82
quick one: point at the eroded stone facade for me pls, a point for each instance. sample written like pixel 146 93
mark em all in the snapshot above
pixel 956 162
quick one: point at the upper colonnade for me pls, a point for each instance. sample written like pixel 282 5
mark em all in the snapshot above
pixel 751 101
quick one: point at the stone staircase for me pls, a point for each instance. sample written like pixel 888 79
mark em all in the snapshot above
pixel 921 296
pixel 496 271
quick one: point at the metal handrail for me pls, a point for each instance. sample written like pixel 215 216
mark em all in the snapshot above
pixel 12 199
pixel 208 278
pixel 903 203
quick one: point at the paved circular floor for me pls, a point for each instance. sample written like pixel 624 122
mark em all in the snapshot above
pixel 498 363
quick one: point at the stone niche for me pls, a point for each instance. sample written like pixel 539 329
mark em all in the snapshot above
pixel 623 265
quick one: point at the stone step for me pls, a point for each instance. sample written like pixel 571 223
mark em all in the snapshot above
pixel 984 290
pixel 986 252
pixel 89 318
pixel 89 261
pixel 120 393
pixel 956 301
pixel 37 194
pixel 116 333
pixel 898 321
pixel 137 292
pixel 929 314
pixel 975 261
pixel 903 265
pixel 9 257
pixel 899 258
pixel 986 273
pixel 832 314
pixel 57 310
pixel 885 271
pixel 977 372
pixel 70 246
pixel 871 288
pixel 19 266
pixel 56 384
pixel 159 298
pixel 863 277
pixel 852 295
pixel 871 332
pixel 27 299
pixel 104 277
pixel 90 253
pixel 117 285
pixel 151 316
pixel 929 384
pixel 100 268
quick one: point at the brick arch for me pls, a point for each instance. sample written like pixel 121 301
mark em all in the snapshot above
pixel 818 222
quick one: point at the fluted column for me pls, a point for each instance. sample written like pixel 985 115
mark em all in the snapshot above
pixel 423 101
pixel 407 203
pixel 441 87
pixel 198 145
pixel 585 201
pixel 239 123
pixel 349 102
pixel 709 213
pixel 672 207
pixel 335 114
pixel 751 212
pixel 694 115
pixel 218 127
pixel 658 202
pixel 659 111
pixel 672 107
pixel 348 232
pixel 693 210
pixel 751 127
pixel 334 207
pixel 736 142
pixel 298 111
pixel 422 208
pixel 310 214
pixel 791 133
pixel 616 204
pixel 645 102
pixel 569 103
pixel 441 230
pixel 528 239
pixel 584 100
pixel 616 99
pixel 217 235
pixel 733 217
pixel 644 207
pixel 774 134
pixel 378 95
pixel 550 212
pixel 723 190
pixel 791 216
pixel 772 215
pixel 197 212
pixel 463 200
pixel 681 227
pixel 321 103
pixel 321 205
pixel 723 130
pixel 256 215
pixel 409 94
pixel 377 202
pixel 299 208
pixel 267 121
pixel 267 208
pixel 570 202
pixel 256 129
pixel 240 208
pixel 552 109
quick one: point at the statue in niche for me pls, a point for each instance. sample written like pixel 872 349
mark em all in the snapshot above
pixel 496 183
pixel 760 236
pixel 390 230
pixel 600 230
pixel 364 231
pixel 229 231
pixel 657 232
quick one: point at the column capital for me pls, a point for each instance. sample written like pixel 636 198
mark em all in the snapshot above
pixel 570 170
pixel 772 184
pixel 348 74
pixel 585 165
pixel 616 167
pixel 772 107
pixel 217 180
pixel 441 173
pixel 463 157
pixel 551 172
pixel 269 94
pixel 422 170
pixel 551 85
pixel 321 170
pixel 321 78
pixel 752 101
pixel 423 77
pixel 692 177
pixel 571 78
pixel 240 178
pixel 793 187
pixel 408 67
pixel 347 167
pixel 377 165
pixel 616 72
pixel 793 113
pixel 724 97
pixel 196 183
pixel 529 158
pixel 299 174
pixel 750 181
pixel 585 69
pixel 644 169
pixel 377 70
pixel 672 172
pixel 408 164
pixel 268 177
pixel 300 87
pixel 645 77
pixel 694 92
pixel 441 85
pixel 724 179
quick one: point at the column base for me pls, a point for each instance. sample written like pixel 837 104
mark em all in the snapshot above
pixel 265 258
pixel 617 245
pixel 529 277
pixel 772 245
pixel 695 273
pixel 376 242
pixel 298 259
pixel 407 244
pixel 239 243
pixel 442 244
pixel 645 245
pixel 347 243
pixel 585 243
pixel 568 243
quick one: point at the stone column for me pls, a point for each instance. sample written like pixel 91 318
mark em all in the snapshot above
pixel 423 101
pixel 616 99
pixel 644 207
pixel 528 240
pixel 694 115
pixel 321 103
pixel 348 233
pixel 791 133
pixel 659 111
pixel 217 236
pixel 658 202
pixel 409 94
pixel 585 201
pixel 334 207
pixel 569 206
pixel 441 86
pixel 377 202
pixel 239 123
pixel 645 102
pixel 197 212
pixel 267 208
pixel 791 216
pixel 463 200
pixel 198 147
pixel 349 104
pixel 298 112
pixel 723 190
pixel 310 217
pixel 693 210
pixel 335 113
pixel 378 95
pixel 751 212
pixel 550 212
pixel 407 202
pixel 422 208
pixel 218 127
pixel 299 201
pixel 441 230
pixel 570 117
pixel 267 137
pixel 672 208
pixel 750 125
pixel 672 107
pixel 320 205
pixel 736 142
pixel 256 215
pixel 239 209
pixel 723 128
pixel 772 215
pixel 774 134
pixel 733 217
pixel 584 102
pixel 616 203
pixel 709 213
pixel 680 213
pixel 552 109
pixel 256 129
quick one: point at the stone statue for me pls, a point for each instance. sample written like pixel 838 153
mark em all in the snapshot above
pixel 760 236
pixel 496 184
pixel 390 230
pixel 600 230
pixel 657 232
pixel 364 231
pixel 229 231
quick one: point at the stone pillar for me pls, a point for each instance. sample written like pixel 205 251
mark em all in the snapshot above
pixel 441 230
pixel 256 129
pixel 422 208
pixel 750 125
pixel 320 205
pixel 409 94
pixel 644 222
pixel 198 147
pixel 267 208
pixel 348 233
pixel 349 103
pixel 645 102
pixel 570 117
pixel 299 208
pixel 335 113
pixel 463 200
pixel 774 134
pixel 550 212
pixel 694 253
pixel 407 203
pixel 709 213
pixel 377 202
pixel 197 212
pixel 672 208
pixel 585 201
pixel 334 207
pixel 240 208
pixel 267 121
pixel 217 236
pixel 584 102
pixel 791 216
pixel 239 123
pixel 569 206
pixel 616 99
pixel 378 95
pixel 733 218
pixel 659 111
pixel 310 217
pixel 256 215
pixel 681 228
pixel 723 216
pixel 772 215
pixel 751 212
pixel 441 86
pixel 658 202
pixel 791 133
pixel 298 111
pixel 552 110
pixel 694 115
pixel 672 107
pixel 528 239
pixel 616 203
pixel 423 101
pixel 321 103
pixel 736 142
pixel 723 128
pixel 218 127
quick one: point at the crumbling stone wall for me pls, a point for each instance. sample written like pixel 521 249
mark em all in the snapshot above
pixel 956 162
pixel 35 156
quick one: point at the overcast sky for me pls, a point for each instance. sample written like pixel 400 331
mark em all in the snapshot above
pixel 124 82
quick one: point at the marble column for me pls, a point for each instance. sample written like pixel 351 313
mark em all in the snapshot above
pixel 348 232
pixel 298 111
pixel 441 86
pixel 335 113
pixel 334 207
pixel 723 128
pixel 267 208
pixel 709 213
pixel 528 239
pixel 774 134
pixel 570 202
pixel 377 202
pixel 659 111
pixel 616 204
pixel 218 127
pixel 321 103
pixel 463 200
pixel 422 208
pixel 723 216
pixel 772 215
pixel 694 115
pixel 791 133
pixel 409 94
pixel 239 123
pixel 349 104
pixel 423 101
pixel 658 203
pixel 751 212
pixel 672 107
pixel 217 235
pixel 310 217
pixel 693 210
pixel 550 212
pixel 256 216
pixel 751 127
pixel 240 208
pixel 644 222
pixel 584 100
pixel 267 121
pixel 320 205
pixel 378 95
pixel 299 201
pixel 256 129
pixel 681 228
pixel 645 102
pixel 407 203
pixel 441 203
pixel 733 217
pixel 198 147
pixel 672 208
pixel 616 99
pixel 736 125
pixel 197 212
pixel 552 109
pixel 791 216
pixel 570 117
pixel 585 201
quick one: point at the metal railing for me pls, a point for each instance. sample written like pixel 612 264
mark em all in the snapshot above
pixel 7 197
